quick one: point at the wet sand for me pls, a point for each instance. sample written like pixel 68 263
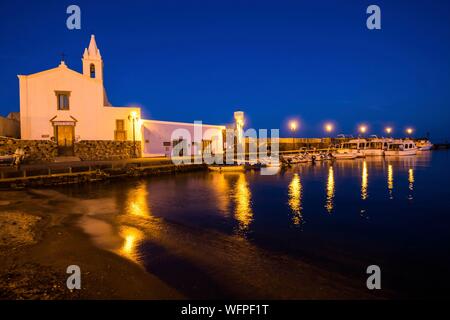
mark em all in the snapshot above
pixel 36 248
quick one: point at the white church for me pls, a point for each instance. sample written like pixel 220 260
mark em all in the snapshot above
pixel 66 106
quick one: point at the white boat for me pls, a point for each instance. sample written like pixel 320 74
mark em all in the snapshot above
pixel 323 156
pixel 289 158
pixel 296 158
pixel 376 146
pixel 354 146
pixel 424 145
pixel 400 147
pixel 227 168
pixel 299 159
pixel 345 156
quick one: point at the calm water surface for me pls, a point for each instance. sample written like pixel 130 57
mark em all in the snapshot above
pixel 309 231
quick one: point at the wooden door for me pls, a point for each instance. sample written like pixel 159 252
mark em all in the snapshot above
pixel 64 136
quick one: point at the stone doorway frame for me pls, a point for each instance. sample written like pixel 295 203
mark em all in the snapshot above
pixel 64 150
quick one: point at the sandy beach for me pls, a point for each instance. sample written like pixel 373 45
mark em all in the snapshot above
pixel 37 247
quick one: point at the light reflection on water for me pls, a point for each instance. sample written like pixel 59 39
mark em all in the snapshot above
pixel 242 197
pixel 218 219
pixel 364 181
pixel 330 190
pixel 295 199
pixel 221 189
pixel 131 240
pixel 411 179
pixel 390 181
pixel 137 202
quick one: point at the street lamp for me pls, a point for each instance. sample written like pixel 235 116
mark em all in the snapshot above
pixel 409 131
pixel 293 126
pixel 133 117
pixel 388 130
pixel 363 129
pixel 329 127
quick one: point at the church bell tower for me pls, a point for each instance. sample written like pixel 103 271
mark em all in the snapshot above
pixel 92 61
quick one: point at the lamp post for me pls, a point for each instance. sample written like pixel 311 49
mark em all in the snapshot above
pixel 293 126
pixel 239 148
pixel 328 129
pixel 133 117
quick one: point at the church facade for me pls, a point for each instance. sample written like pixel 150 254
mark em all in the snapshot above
pixel 66 106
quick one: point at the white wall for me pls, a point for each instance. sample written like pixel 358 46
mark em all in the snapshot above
pixel 155 133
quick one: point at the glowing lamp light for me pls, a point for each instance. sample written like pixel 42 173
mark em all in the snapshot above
pixel 409 131
pixel 293 125
pixel 388 130
pixel 328 127
pixel 363 129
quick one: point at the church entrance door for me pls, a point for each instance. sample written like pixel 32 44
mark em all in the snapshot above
pixel 65 137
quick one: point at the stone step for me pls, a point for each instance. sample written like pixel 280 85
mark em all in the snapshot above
pixel 66 159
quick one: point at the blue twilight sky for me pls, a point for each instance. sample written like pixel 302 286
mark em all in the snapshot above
pixel 191 60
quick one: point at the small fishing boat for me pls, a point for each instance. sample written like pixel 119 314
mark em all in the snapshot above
pixel 345 156
pixel 424 145
pixel 227 168
pixel 300 159
pixel 289 158
pixel 294 159
pixel 405 147
pixel 323 156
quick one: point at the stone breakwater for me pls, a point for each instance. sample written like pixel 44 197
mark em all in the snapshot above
pixel 46 150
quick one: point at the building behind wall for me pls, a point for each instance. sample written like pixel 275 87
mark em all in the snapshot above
pixel 10 125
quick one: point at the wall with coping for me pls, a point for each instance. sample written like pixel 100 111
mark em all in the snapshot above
pixel 46 150
pixel 38 150
pixel 106 150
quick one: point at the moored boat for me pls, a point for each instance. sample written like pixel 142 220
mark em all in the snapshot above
pixel 354 146
pixel 400 147
pixel 297 158
pixel 424 145
pixel 376 146
pixel 227 168
pixel 345 156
